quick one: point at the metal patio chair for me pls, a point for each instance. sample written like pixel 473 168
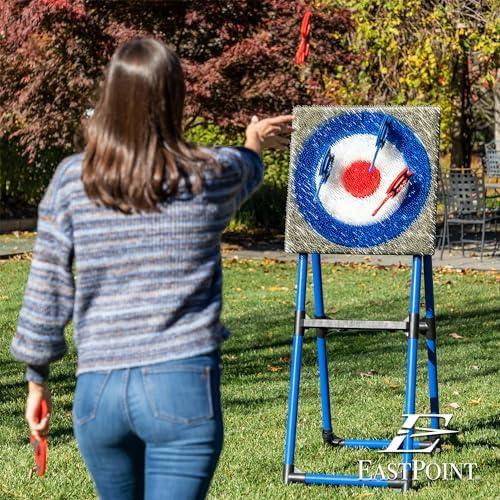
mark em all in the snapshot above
pixel 442 214
pixel 492 159
pixel 491 169
pixel 465 196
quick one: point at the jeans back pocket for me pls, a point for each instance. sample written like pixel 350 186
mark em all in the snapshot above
pixel 180 394
pixel 89 389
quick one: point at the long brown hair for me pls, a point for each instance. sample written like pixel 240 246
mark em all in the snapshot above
pixel 136 155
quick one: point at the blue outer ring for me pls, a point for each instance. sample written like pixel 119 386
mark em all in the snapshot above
pixel 318 144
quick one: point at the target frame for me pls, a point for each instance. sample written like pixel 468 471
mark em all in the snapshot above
pixel 410 230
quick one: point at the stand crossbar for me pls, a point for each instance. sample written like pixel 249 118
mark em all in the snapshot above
pixel 353 324
pixel 413 328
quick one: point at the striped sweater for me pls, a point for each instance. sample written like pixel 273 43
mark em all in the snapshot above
pixel 147 287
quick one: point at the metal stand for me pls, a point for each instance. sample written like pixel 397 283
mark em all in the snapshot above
pixel 412 326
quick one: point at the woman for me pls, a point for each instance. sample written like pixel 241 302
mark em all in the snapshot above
pixel 140 215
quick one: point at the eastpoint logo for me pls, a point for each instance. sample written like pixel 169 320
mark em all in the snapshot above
pixel 396 444
pixel 431 470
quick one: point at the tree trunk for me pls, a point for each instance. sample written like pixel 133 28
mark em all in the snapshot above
pixel 496 91
pixel 3 175
pixel 461 131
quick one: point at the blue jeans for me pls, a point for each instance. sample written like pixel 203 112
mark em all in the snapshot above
pixel 152 432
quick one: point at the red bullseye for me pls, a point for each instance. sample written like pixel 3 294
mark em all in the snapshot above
pixel 358 181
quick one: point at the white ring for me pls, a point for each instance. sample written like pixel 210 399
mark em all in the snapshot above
pixel 341 204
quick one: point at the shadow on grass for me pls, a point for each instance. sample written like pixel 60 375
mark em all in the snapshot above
pixel 479 373
pixel 12 391
pixel 249 402
pixel 491 422
pixel 448 316
pixel 61 434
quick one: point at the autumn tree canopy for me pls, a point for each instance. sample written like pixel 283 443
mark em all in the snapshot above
pixel 238 57
pixel 440 52
pixel 239 60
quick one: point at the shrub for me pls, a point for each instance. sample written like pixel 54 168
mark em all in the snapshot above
pixel 22 184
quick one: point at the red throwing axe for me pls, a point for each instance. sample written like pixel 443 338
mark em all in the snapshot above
pixel 40 446
pixel 396 187
pixel 305 31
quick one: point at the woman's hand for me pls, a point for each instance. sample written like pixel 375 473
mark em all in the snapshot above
pixel 268 133
pixel 37 392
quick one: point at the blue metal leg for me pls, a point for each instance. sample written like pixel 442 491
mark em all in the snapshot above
pixel 338 480
pixel 291 475
pixel 319 312
pixel 411 357
pixel 295 366
pixel 431 341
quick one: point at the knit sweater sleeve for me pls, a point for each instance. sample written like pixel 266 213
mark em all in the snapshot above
pixel 49 293
pixel 243 168
pixel 253 173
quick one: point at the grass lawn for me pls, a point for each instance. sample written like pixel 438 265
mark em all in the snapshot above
pixel 367 385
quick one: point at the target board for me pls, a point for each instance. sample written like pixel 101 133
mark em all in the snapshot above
pixel 363 180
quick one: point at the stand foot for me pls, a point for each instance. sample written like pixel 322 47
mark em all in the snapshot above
pixel 330 439
pixel 290 475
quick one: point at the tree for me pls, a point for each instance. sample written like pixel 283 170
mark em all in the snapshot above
pixel 442 52
pixel 238 57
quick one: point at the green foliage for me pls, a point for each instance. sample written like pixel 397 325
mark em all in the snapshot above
pixel 406 52
pixel 210 134
pixel 266 208
pixel 411 55
pixel 22 184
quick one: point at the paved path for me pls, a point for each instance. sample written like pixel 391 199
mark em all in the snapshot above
pixel 16 243
pixel 455 260
pixel 269 247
